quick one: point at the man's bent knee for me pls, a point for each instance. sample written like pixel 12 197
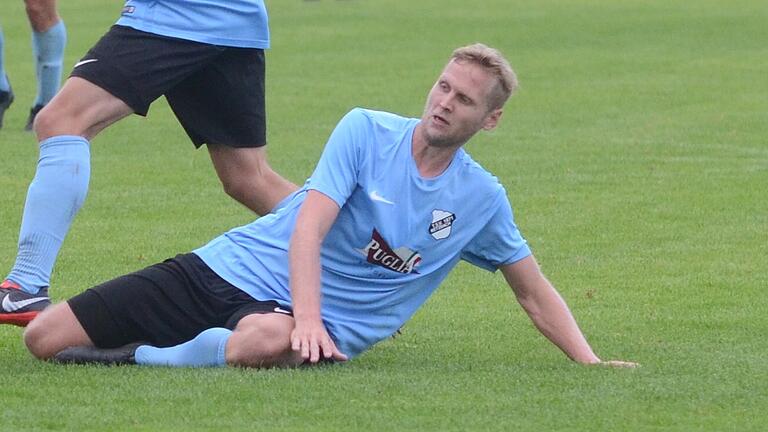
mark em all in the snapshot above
pixel 263 341
pixel 53 330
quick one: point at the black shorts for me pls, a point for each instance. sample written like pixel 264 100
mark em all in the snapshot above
pixel 164 305
pixel 216 92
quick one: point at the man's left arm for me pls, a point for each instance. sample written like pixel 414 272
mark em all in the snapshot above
pixel 549 312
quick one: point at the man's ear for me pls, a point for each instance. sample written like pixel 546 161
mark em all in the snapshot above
pixel 493 119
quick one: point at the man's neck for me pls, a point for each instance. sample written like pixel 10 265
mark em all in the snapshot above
pixel 431 161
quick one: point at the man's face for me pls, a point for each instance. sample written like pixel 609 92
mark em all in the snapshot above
pixel 457 105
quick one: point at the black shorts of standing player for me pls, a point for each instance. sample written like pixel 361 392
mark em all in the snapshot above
pixel 216 92
pixel 164 305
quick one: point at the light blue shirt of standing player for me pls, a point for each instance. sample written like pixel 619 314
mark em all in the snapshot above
pixel 235 23
pixel 396 237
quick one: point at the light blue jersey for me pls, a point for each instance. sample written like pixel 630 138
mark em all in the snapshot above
pixel 396 237
pixel 236 23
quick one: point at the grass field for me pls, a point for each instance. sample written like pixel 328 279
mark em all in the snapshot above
pixel 636 158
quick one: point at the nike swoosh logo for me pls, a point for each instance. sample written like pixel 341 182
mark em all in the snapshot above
pixel 12 306
pixel 82 62
pixel 376 197
pixel 282 311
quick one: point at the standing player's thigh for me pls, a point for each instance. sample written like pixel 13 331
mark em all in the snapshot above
pixel 223 103
pixel 124 72
pixel 80 108
pixel 138 67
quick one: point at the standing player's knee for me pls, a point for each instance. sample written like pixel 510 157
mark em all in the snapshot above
pixel 247 190
pixel 236 187
pixel 247 183
pixel 41 13
pixel 34 9
pixel 55 119
pixel 247 177
pixel 47 123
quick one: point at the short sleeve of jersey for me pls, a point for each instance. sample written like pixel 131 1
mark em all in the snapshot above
pixel 499 242
pixel 337 171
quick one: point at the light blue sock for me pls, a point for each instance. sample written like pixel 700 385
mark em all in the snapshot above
pixel 205 350
pixel 4 85
pixel 48 47
pixel 55 195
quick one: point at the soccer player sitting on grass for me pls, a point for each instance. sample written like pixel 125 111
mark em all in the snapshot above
pixel 392 206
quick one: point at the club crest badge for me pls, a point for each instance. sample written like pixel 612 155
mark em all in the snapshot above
pixel 440 228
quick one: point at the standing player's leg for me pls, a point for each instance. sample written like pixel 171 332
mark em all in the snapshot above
pixel 49 37
pixel 56 193
pixel 114 80
pixel 6 94
pixel 248 178
pixel 123 73
pixel 223 105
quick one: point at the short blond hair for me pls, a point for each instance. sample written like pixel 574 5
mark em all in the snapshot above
pixel 494 63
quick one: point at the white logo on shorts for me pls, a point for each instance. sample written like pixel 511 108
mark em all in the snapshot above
pixel 82 62
pixel 281 310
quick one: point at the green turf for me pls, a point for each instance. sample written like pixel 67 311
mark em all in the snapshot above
pixel 636 158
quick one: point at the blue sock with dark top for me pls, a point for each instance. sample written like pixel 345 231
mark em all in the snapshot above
pixel 54 197
pixel 4 84
pixel 48 48
pixel 207 349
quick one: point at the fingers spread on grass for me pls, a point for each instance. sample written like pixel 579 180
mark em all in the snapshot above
pixel 314 342
pixel 330 351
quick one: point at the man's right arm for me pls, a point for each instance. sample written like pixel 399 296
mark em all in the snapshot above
pixel 310 337
pixel 331 184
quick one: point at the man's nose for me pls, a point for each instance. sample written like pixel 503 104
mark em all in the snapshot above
pixel 446 103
